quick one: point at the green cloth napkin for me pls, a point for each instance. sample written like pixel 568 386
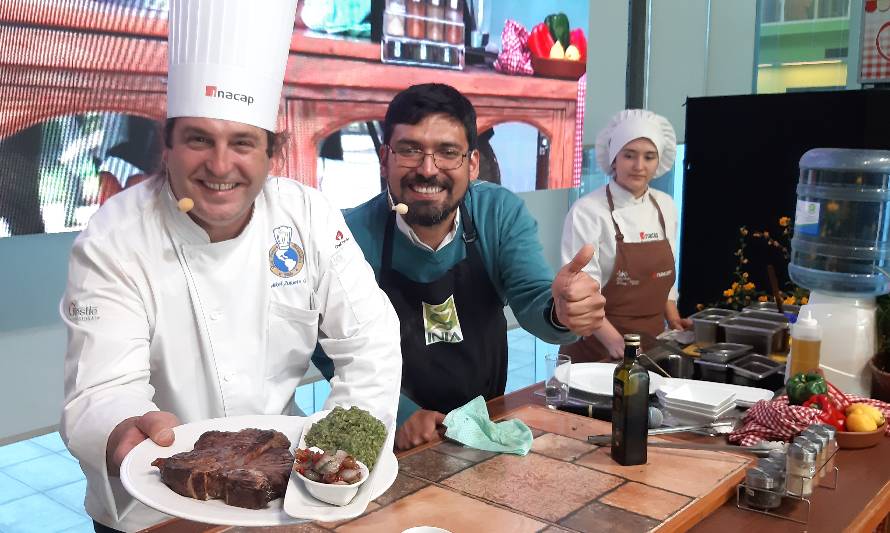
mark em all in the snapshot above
pixel 471 426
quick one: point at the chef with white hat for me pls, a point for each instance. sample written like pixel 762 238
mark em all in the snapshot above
pixel 201 293
pixel 634 232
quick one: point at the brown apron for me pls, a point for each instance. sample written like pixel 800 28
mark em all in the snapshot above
pixel 636 293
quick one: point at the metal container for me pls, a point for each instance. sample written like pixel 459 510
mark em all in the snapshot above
pixel 705 324
pixel 754 370
pixel 723 352
pixel 678 366
pixel 772 317
pixel 765 336
pixel 771 306
pixel 709 371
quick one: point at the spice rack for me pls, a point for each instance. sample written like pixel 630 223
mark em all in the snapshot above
pixel 815 480
pixel 427 33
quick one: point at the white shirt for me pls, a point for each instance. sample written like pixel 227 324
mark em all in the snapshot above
pixel 589 221
pixel 159 317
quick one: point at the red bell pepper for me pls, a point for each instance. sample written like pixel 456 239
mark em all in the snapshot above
pixel 830 414
pixel 539 40
pixel 577 38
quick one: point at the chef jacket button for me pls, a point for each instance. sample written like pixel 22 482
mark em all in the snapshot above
pixel 216 315
pixel 229 376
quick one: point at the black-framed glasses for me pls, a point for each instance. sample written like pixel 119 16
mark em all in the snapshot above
pixel 444 159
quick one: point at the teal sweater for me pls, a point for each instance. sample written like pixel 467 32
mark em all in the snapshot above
pixel 509 245
pixel 510 249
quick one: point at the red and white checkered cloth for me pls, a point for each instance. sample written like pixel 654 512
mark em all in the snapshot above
pixel 777 420
pixel 579 131
pixel 514 57
pixel 874 59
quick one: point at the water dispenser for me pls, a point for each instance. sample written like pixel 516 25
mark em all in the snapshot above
pixel 840 251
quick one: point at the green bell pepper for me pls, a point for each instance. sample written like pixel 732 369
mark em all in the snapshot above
pixel 558 23
pixel 803 385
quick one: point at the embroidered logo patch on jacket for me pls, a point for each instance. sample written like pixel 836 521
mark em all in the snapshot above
pixel 440 322
pixel 285 258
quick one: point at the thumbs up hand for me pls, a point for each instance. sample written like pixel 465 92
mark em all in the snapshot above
pixel 576 296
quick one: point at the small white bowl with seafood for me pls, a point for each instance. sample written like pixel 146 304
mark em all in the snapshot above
pixel 331 478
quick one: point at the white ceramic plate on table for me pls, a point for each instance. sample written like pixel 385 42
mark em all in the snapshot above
pixel 143 481
pixel 744 396
pixel 596 378
pixel 298 501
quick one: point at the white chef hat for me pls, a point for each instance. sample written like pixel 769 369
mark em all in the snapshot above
pixel 227 59
pixel 632 124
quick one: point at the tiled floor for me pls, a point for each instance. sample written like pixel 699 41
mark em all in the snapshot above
pixel 42 487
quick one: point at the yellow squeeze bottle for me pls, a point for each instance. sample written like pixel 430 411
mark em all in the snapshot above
pixel 806 343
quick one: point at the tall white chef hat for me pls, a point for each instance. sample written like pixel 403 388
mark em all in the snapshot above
pixel 632 124
pixel 227 58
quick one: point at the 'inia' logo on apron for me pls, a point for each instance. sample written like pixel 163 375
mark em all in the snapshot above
pixel 440 322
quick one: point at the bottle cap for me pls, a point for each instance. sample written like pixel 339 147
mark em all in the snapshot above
pixel 632 339
pixel 806 326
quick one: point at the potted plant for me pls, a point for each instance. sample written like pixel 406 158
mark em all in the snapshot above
pixel 880 363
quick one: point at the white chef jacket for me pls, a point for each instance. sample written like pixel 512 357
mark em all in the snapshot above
pixel 589 221
pixel 159 317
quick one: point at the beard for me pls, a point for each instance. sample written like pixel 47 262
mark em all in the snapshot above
pixel 426 213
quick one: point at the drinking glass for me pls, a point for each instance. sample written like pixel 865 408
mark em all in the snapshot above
pixel 556 387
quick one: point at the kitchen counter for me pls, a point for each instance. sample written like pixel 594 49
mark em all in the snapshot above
pixel 565 484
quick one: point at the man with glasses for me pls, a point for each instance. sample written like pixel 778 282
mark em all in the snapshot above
pixel 463 250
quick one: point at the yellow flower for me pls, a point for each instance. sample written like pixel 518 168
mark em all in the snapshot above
pixel 804 300
pixel 784 221
pixel 727 292
pixel 762 299
pixel 735 285
pixel 749 286
pixel 744 261
pixel 729 300
pixel 832 206
pixel 743 230
pixel 744 275
pixel 766 234
pixel 789 301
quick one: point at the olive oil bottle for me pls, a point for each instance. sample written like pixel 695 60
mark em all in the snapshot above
pixel 630 406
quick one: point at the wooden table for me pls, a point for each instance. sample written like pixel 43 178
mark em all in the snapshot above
pixel 567 485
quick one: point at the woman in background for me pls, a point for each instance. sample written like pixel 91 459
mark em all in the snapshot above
pixel 634 231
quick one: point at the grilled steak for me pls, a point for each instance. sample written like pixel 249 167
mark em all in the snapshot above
pixel 248 468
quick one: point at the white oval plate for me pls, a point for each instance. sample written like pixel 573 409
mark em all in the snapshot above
pixel 143 481
pixel 596 378
pixel 298 501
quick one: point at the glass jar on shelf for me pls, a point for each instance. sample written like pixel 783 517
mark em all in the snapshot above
pixel 435 15
pixel 394 18
pixel 415 25
pixel 454 22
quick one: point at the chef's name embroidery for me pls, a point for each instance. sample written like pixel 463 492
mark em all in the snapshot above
pixel 624 279
pixel 82 313
pixel 285 258
pixel 285 283
pixel 440 322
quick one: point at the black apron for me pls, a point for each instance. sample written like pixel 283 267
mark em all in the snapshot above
pixel 447 363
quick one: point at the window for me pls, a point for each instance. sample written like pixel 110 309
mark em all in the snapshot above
pixel 802 10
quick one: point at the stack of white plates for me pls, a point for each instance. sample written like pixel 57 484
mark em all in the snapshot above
pixel 694 404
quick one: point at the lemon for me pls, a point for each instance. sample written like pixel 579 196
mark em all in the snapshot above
pixel 859 421
pixel 869 410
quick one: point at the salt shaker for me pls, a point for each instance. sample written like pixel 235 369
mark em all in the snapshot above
pixel 776 467
pixel 800 468
pixel 760 489
pixel 822 440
